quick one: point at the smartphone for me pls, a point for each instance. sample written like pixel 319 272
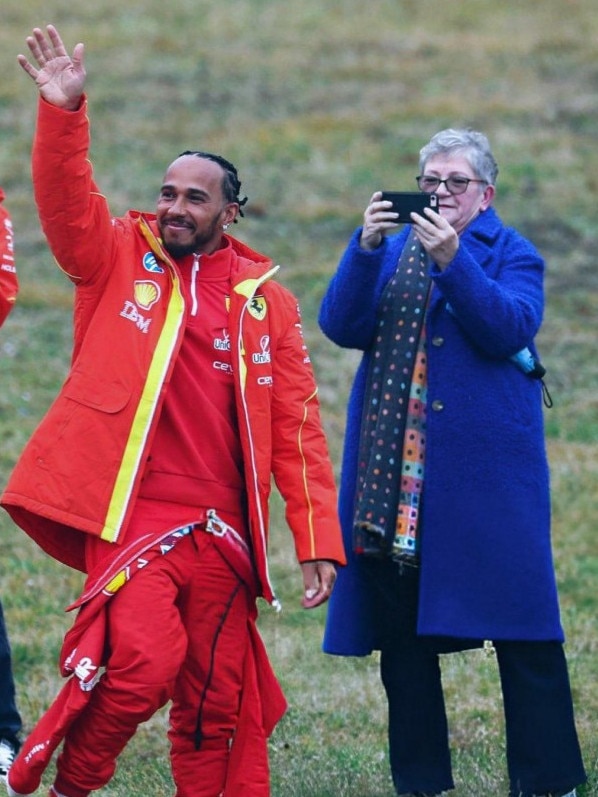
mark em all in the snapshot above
pixel 406 202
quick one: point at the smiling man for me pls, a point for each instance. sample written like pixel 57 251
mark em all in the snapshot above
pixel 196 203
pixel 191 388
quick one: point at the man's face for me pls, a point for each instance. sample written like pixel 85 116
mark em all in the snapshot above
pixel 191 208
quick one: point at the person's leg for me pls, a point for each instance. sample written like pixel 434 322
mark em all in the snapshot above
pixel 10 719
pixel 419 751
pixel 206 703
pixel 417 725
pixel 543 752
pixel 147 645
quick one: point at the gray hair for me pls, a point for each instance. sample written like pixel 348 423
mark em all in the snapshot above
pixel 474 147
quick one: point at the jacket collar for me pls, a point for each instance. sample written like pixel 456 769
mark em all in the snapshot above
pixel 483 230
pixel 245 255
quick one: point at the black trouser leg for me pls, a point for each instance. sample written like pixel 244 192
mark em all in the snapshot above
pixel 417 725
pixel 409 666
pixel 543 752
pixel 10 719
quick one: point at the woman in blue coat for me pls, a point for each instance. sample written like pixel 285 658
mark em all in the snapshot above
pixel 444 496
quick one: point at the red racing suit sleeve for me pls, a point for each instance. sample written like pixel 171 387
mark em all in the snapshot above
pixel 301 462
pixel 9 285
pixel 74 215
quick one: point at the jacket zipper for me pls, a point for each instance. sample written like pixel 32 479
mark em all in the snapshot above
pixel 274 601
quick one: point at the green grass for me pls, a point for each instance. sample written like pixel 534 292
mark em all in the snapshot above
pixel 319 103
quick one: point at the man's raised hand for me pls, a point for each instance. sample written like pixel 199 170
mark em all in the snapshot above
pixel 59 77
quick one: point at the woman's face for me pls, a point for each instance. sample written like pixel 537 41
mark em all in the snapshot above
pixel 458 209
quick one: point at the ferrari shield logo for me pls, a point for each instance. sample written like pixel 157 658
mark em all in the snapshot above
pixel 257 307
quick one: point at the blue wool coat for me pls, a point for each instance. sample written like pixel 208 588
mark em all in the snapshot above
pixel 486 562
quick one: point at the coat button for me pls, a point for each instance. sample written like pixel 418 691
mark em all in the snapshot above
pixel 437 405
pixel 437 340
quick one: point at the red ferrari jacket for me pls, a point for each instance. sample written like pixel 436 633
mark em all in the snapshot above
pixel 81 470
pixel 8 275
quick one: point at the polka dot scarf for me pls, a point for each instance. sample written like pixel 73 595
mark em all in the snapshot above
pixel 391 453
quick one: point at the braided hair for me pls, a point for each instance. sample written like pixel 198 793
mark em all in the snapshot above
pixel 231 185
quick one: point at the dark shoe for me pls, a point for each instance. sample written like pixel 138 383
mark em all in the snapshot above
pixel 425 794
pixel 571 793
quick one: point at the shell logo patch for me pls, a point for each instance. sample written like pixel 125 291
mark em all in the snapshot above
pixel 146 293
pixel 257 307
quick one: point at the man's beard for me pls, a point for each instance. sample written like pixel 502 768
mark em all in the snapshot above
pixel 177 251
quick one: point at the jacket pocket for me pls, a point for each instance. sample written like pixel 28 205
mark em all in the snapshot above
pixel 99 393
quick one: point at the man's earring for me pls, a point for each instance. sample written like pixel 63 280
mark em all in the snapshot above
pixel 225 226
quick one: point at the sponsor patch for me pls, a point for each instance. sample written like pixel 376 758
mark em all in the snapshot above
pixel 131 313
pixel 223 343
pixel 220 366
pixel 263 356
pixel 146 293
pixel 151 264
pixel 258 308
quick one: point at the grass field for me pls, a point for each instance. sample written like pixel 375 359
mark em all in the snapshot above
pixel 319 103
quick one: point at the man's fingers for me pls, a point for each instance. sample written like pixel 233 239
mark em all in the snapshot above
pixel 45 46
pixel 78 57
pixel 46 50
pixel 59 48
pixel 29 68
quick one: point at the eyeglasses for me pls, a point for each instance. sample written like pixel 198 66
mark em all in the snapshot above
pixel 454 184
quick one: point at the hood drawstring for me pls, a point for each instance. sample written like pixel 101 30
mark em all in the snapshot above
pixel 194 273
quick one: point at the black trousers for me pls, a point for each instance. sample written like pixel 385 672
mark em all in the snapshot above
pixel 10 719
pixel 542 748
